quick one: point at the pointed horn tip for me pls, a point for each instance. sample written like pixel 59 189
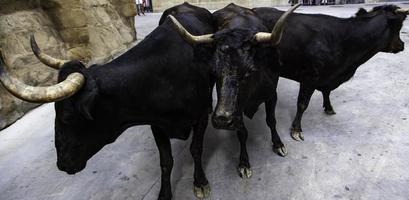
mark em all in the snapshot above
pixel 2 63
pixel 293 8
pixel 297 5
pixel 174 20
pixel 34 46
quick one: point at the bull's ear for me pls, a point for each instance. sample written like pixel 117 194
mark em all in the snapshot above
pixel 361 12
pixel 87 99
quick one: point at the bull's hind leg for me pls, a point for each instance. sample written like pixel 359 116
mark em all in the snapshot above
pixel 327 103
pixel 304 97
pixel 166 162
pixel 244 164
pixel 201 185
pixel 278 146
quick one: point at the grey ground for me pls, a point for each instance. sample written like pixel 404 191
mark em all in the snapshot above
pixel 360 153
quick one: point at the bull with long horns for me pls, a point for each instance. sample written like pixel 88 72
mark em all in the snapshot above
pixel 244 77
pixel 162 82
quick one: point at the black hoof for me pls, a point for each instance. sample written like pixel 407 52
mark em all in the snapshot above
pixel 330 112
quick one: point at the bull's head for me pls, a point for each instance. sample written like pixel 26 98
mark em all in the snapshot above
pixel 394 17
pixel 75 94
pixel 234 63
pixel 395 21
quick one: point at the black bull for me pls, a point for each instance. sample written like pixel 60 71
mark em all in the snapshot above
pixel 329 49
pixel 162 82
pixel 243 72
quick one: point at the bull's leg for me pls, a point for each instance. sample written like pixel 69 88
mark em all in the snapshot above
pixel 244 164
pixel 278 146
pixel 166 162
pixel 201 185
pixel 327 103
pixel 211 97
pixel 304 96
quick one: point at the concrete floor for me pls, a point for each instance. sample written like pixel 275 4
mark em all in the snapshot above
pixel 359 153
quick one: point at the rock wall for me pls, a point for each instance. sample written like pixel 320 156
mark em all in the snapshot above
pixel 92 31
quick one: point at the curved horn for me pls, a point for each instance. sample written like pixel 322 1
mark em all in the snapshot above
pixel 192 39
pixel 275 36
pixel 44 58
pixel 402 10
pixel 57 92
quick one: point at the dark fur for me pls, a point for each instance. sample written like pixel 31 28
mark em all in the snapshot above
pixel 162 82
pixel 322 52
pixel 244 77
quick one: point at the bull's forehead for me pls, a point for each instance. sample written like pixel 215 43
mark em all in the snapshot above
pixel 234 37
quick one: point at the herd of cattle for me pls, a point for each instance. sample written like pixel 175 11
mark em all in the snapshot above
pixel 166 81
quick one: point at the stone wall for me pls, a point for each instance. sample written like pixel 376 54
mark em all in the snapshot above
pixel 89 30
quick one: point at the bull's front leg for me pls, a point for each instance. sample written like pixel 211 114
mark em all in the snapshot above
pixel 304 97
pixel 278 146
pixel 327 103
pixel 166 162
pixel 244 164
pixel 201 187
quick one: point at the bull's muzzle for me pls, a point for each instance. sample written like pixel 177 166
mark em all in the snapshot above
pixel 397 47
pixel 70 168
pixel 223 120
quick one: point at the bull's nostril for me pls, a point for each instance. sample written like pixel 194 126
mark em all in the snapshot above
pixel 223 120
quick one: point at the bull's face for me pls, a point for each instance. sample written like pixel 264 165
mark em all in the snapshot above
pixel 75 138
pixel 395 22
pixel 77 135
pixel 391 17
pixel 74 143
pixel 79 132
pixel 234 63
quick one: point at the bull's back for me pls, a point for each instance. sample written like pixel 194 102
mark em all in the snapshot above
pixel 310 46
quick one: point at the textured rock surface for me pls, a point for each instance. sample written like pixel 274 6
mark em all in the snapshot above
pixel 91 31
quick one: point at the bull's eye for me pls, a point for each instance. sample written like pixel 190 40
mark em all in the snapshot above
pixel 224 47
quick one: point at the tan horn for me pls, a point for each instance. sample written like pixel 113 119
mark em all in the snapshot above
pixel 402 10
pixel 275 36
pixel 44 58
pixel 62 90
pixel 192 39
